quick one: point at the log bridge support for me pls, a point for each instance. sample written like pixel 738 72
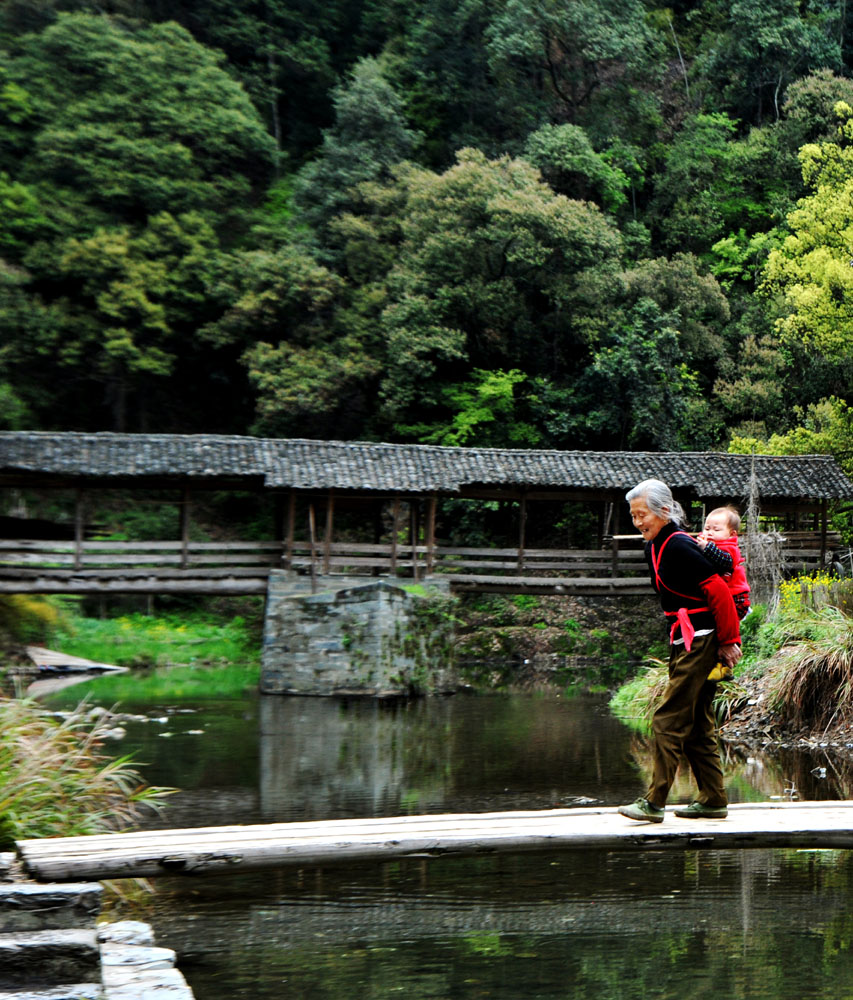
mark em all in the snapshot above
pixel 215 850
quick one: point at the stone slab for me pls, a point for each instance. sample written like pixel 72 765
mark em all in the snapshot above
pixel 74 991
pixel 166 984
pixel 28 906
pixel 127 932
pixel 133 968
pixel 51 958
pixel 118 958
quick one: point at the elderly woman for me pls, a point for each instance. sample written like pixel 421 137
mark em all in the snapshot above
pixel 703 630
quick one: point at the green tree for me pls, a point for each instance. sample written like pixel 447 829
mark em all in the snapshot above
pixel 369 136
pixel 494 270
pixel 312 365
pixel 563 62
pixel 823 428
pixel 638 391
pixel 137 299
pixel 751 388
pixel 764 46
pixel 682 289
pixel 710 185
pixel 810 274
pixel 440 66
pixel 135 153
pixel 571 166
pixel 141 119
pixel 483 412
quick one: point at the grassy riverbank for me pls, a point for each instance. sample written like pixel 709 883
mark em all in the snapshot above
pixel 193 655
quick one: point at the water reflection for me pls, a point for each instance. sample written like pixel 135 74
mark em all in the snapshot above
pixel 754 925
pixel 361 758
pixel 725 924
pixel 279 759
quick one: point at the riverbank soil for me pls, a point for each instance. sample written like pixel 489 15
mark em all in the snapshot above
pixel 529 641
pixel 753 724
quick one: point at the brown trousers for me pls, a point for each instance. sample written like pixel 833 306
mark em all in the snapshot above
pixel 684 723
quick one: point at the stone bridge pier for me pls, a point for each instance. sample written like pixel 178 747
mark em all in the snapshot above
pixel 350 636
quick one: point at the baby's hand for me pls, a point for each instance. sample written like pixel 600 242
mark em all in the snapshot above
pixel 701 540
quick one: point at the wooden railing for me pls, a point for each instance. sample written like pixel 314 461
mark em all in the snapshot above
pixel 124 555
pixel 243 566
pixel 136 567
pixel 351 557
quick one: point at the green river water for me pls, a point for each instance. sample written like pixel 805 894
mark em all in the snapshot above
pixel 604 926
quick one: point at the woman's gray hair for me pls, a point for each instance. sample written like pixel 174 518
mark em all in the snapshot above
pixel 658 497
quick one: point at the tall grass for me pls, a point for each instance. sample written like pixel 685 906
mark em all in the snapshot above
pixel 54 780
pixel 811 683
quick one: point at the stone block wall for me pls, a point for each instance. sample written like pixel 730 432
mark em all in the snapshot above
pixel 374 638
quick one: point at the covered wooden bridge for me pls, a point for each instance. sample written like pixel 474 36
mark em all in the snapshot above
pixel 546 520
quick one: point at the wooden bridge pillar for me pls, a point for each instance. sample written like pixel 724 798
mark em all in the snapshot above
pixel 184 509
pixel 522 530
pixel 79 527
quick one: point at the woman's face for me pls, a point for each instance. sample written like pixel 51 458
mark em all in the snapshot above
pixel 647 523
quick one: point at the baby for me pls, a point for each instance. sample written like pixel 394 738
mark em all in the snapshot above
pixel 719 543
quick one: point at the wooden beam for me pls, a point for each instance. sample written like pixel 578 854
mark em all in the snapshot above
pixel 395 528
pixel 79 525
pixel 522 531
pixel 226 849
pixel 614 558
pixel 289 530
pixel 185 526
pixel 312 538
pixel 330 520
pixel 414 530
pixel 432 504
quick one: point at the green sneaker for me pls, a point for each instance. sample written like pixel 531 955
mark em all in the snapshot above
pixel 698 810
pixel 643 811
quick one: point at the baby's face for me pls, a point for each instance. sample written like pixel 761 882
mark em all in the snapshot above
pixel 717 527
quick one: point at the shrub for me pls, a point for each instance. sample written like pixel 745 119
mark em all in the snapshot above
pixel 27 617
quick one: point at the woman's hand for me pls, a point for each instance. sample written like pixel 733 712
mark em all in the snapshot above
pixel 729 655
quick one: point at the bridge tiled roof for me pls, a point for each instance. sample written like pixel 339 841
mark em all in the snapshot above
pixel 282 463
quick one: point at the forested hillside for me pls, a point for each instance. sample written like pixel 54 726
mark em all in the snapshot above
pixel 553 223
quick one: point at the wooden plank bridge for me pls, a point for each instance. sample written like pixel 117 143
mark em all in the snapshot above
pixel 217 850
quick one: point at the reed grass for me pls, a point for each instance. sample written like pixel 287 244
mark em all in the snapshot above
pixel 54 780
